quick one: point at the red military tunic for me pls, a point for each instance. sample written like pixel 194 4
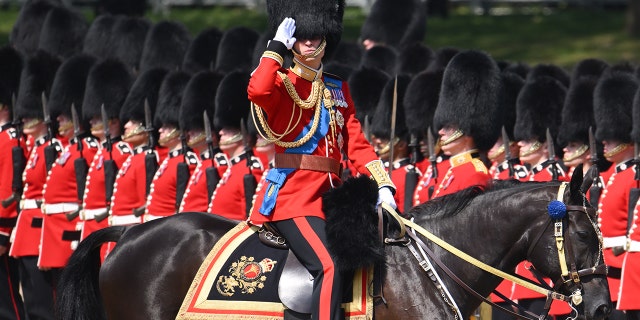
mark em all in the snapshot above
pixel 399 178
pixel 229 199
pixel 130 190
pixel 612 218
pixel 59 235
pixel 94 201
pixel 161 201
pixel 8 215
pixel 427 182
pixel 465 170
pixel 500 171
pixel 26 236
pixel 630 280
pixel 196 197
pixel 301 194
pixel 542 172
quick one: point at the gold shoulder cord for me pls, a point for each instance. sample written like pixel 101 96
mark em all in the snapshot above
pixel 317 90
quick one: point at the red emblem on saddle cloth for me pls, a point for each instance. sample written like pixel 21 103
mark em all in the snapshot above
pixel 246 275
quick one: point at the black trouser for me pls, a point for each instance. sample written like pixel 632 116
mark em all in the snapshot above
pixel 308 241
pixel 37 289
pixel 11 306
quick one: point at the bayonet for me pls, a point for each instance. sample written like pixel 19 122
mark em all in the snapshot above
pixel 367 128
pixel 47 117
pixel 212 175
pixel 208 135
pixel 76 127
pixel 394 107
pixel 592 147
pixel 506 143
pixel 431 145
pixel 552 155
pixel 105 125
pixel 148 123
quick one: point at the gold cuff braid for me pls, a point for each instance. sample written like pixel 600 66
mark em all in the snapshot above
pixel 379 174
pixel 273 55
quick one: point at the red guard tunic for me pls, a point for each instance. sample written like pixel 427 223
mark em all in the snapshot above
pixel 301 194
pixel 630 280
pixel 427 183
pixel 196 197
pixel 59 235
pixel 130 190
pixel 612 218
pixel 161 201
pixel 26 236
pixel 399 178
pixel 94 201
pixel 228 199
pixel 500 171
pixel 8 215
pixel 542 172
pixel 465 170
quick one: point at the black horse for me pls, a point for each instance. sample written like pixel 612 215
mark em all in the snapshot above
pixel 153 264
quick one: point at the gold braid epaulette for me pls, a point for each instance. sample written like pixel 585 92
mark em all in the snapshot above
pixel 379 174
pixel 314 100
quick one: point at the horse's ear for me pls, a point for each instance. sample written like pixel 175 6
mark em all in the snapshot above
pixel 576 185
pixel 589 177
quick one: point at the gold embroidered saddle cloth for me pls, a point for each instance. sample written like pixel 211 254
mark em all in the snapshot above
pixel 242 278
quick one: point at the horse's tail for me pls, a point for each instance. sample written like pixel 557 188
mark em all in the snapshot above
pixel 78 292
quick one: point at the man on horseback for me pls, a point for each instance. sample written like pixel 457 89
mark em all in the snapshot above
pixel 311 118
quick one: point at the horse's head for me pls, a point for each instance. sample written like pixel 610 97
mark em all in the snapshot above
pixel 568 249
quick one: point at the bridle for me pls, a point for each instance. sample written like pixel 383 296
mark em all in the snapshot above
pixel 570 275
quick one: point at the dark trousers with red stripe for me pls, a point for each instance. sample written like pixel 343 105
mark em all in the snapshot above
pixel 308 241
pixel 37 288
pixel 11 306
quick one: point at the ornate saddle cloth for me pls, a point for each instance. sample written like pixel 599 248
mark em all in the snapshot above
pixel 240 277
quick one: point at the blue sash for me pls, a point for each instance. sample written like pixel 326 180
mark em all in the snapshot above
pixel 277 176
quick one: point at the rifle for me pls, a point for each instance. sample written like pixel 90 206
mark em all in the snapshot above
pixel 182 174
pixel 411 177
pixel 110 167
pixel 394 108
pixel 211 173
pixel 596 189
pixel 552 156
pixel 433 158
pixel 506 143
pixel 249 181
pixel 50 151
pixel 19 161
pixel 366 129
pixel 150 160
pixel 634 195
pixel 80 166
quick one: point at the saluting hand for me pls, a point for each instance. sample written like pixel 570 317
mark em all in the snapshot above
pixel 285 32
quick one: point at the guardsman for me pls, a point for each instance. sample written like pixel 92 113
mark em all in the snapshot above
pixel 37 285
pixel 394 23
pixel 133 181
pixel 107 87
pixel 13 151
pixel 165 46
pixel 233 195
pixel 466 119
pixel 172 176
pixel 613 104
pixel 539 102
pixel 501 167
pixel 63 32
pixel 382 140
pixel 308 153
pixel 199 97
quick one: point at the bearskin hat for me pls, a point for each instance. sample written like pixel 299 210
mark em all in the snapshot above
pixel 442 58
pixel 314 18
pixel 25 33
pixel 365 84
pixel 199 96
pixel 348 53
pixel 395 22
pixel 170 98
pixel 122 7
pixel 202 52
pixel 380 57
pixel 128 38
pixel 520 68
pixel 512 83
pixel 340 70
pixel 232 102
pixel 235 51
pixel 550 70
pixel 470 97
pixel 381 122
pixel 145 87
pixel 635 133
pixel 165 46
pixel 612 104
pixel 538 107
pixel 108 84
pixel 97 41
pixel 577 114
pixel 413 59
pixel 69 85
pixel 36 78
pixel 63 32
pixel 589 67
pixel 10 68
pixel 421 100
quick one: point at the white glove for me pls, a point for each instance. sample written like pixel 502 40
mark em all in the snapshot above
pixel 285 32
pixel 385 195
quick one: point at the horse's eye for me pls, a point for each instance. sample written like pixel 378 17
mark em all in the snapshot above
pixel 583 234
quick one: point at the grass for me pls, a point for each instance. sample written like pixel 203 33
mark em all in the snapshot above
pixel 536 35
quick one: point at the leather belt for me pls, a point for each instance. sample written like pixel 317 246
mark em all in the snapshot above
pixel 307 162
pixel 610 242
pixel 116 220
pixel 59 207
